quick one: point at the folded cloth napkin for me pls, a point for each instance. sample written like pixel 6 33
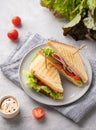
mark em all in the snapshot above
pixel 75 111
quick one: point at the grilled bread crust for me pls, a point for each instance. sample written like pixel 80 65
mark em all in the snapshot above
pixel 62 72
pixel 48 75
pixel 75 61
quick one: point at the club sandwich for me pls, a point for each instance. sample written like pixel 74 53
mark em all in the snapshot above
pixel 69 63
pixel 44 79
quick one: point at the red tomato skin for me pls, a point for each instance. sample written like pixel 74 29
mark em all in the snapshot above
pixel 77 78
pixel 69 73
pixel 16 21
pixel 58 66
pixel 13 34
pixel 38 112
pixel 72 75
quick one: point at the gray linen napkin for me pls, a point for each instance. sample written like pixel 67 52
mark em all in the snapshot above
pixel 75 111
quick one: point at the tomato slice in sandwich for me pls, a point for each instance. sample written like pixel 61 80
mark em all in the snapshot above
pixel 59 66
pixel 76 77
pixel 69 73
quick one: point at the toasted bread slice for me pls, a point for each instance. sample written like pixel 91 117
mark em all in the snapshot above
pixel 48 75
pixel 66 51
pixel 53 62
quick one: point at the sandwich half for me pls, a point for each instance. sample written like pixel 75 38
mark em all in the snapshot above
pixel 44 79
pixel 71 65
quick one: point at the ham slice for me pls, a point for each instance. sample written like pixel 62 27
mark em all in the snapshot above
pixel 59 58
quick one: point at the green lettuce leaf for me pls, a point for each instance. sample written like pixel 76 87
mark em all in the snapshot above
pixel 77 12
pixel 63 8
pixel 90 22
pixel 92 6
pixel 71 24
pixel 47 3
pixel 32 83
pixel 48 51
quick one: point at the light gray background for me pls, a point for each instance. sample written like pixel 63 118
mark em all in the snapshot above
pixel 35 19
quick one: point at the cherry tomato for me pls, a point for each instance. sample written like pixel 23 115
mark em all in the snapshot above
pixel 13 34
pixel 38 112
pixel 16 21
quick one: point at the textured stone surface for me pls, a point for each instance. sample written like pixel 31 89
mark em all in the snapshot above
pixel 35 19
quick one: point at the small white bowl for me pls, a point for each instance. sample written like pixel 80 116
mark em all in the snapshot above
pixel 9 106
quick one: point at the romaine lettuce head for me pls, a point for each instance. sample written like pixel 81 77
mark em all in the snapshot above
pixel 62 8
pixel 47 3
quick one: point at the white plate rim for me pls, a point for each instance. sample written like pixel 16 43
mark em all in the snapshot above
pixel 59 103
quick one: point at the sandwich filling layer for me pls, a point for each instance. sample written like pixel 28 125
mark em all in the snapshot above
pixel 59 63
pixel 39 86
